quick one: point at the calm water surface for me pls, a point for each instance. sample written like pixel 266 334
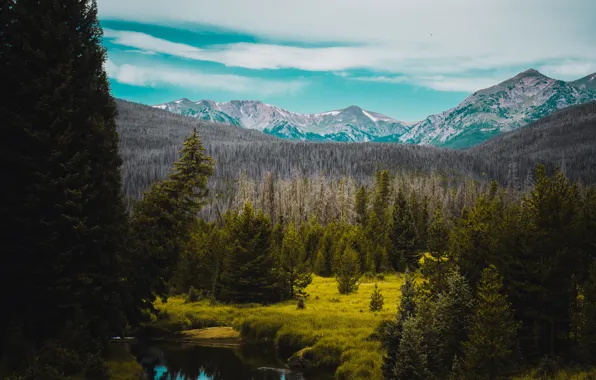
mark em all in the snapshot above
pixel 191 362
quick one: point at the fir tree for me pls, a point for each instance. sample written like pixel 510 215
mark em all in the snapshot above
pixel 411 360
pixel 295 271
pixel 403 235
pixel 489 349
pixel 381 199
pixel 360 206
pixel 435 266
pixel 376 300
pixel 348 271
pixel 163 220
pixel 250 276
pixel 65 223
pixel 405 310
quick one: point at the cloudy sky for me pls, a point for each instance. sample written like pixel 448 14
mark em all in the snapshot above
pixel 403 58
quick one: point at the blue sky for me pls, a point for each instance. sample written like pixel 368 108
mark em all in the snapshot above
pixel 403 58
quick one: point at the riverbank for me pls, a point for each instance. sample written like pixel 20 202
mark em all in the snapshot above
pixel 333 333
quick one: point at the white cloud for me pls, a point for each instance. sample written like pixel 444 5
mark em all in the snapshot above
pixel 162 76
pixel 383 79
pixel 457 33
pixel 569 70
pixel 338 59
pixel 441 82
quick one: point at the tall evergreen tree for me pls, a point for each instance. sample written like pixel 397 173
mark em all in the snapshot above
pixel 163 220
pixel 63 237
pixel 489 349
pixel 435 266
pixel 411 360
pixel 251 276
pixel 295 270
pixel 403 235
pixel 360 206
pixel 405 310
pixel 381 199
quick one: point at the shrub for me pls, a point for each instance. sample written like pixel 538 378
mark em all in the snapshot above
pixel 376 300
pixel 193 295
pixel 300 305
pixel 96 369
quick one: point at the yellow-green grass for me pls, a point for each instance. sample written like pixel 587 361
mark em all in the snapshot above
pixel 335 328
pixel 122 365
pixel 567 374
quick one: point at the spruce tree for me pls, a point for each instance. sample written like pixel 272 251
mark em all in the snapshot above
pixel 393 333
pixel 411 360
pixel 348 271
pixel 360 206
pixel 295 270
pixel 381 199
pixel 435 266
pixel 403 235
pixel 376 300
pixel 489 349
pixel 64 228
pixel 163 220
pixel 251 274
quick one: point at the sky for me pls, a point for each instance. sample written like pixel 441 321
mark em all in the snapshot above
pixel 403 58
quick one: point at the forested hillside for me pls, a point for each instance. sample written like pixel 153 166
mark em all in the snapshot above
pixel 567 137
pixel 150 140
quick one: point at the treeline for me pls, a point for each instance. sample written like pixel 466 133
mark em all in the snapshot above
pixel 151 138
pixel 509 285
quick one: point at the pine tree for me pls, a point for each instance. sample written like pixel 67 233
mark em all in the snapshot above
pixel 411 360
pixel 376 300
pixel 162 222
pixel 587 326
pixel 381 199
pixel 360 206
pixel 295 270
pixel 65 223
pixel 403 235
pixel 250 276
pixel 435 266
pixel 348 271
pixel 405 310
pixel 489 349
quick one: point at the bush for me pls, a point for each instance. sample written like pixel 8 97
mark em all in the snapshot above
pixel 300 305
pixel 96 369
pixel 194 295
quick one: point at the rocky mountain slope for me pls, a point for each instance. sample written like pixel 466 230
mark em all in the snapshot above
pixel 507 106
pixel 352 124
pixel 514 103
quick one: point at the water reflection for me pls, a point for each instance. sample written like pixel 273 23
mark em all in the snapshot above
pixel 184 362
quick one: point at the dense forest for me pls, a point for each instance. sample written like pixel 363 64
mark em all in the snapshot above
pixel 106 216
pixel 150 139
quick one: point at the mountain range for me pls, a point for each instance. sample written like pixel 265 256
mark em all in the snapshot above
pixel 504 107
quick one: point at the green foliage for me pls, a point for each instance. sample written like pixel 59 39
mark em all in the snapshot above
pixel 64 230
pixel 492 333
pixel 403 235
pixel 348 271
pixel 250 275
pixel 360 206
pixel 376 300
pixel 438 246
pixel 296 272
pixel 381 198
pixel 411 360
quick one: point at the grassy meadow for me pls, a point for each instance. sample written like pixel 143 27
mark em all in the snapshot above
pixel 333 332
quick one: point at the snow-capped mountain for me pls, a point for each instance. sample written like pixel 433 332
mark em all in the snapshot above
pixel 352 124
pixel 509 105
